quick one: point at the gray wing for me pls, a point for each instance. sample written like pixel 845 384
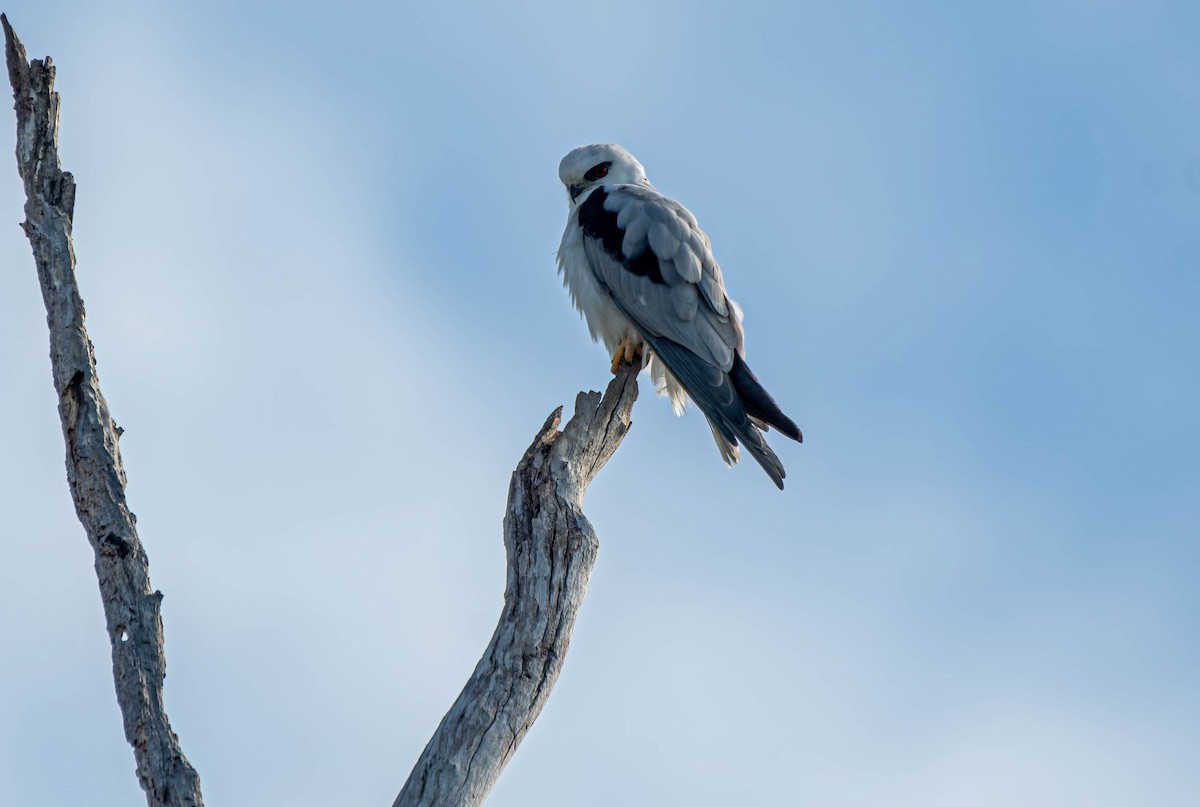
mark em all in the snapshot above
pixel 657 264
pixel 650 255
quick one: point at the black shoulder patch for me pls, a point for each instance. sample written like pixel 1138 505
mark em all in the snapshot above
pixel 596 222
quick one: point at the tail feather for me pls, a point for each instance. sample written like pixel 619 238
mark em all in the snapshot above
pixel 734 403
pixel 760 406
pixel 753 441
pixel 729 451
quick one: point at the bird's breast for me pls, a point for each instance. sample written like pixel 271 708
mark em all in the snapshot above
pixel 605 321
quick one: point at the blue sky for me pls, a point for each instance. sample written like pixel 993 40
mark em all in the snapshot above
pixel 317 248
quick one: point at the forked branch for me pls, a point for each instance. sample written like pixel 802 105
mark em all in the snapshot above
pixel 550 545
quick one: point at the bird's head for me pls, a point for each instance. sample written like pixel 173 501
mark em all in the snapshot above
pixel 601 164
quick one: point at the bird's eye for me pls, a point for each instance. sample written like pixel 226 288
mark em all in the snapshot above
pixel 597 172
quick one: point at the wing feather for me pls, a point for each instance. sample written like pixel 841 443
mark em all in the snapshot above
pixel 662 265
pixel 657 265
pixel 663 242
pixel 687 263
pixel 636 232
pixel 686 301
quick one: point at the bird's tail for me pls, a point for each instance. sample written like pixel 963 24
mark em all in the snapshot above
pixel 759 404
pixel 752 439
pixel 736 405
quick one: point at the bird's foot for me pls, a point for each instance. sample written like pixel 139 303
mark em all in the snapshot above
pixel 629 350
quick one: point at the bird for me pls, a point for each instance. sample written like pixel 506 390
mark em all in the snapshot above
pixel 642 274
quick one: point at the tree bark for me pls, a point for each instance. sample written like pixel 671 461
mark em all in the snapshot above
pixel 550 545
pixel 94 471
pixel 551 549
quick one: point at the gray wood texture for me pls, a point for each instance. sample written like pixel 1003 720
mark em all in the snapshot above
pixel 550 545
pixel 94 471
pixel 551 549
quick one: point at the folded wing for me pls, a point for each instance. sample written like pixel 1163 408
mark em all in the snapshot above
pixel 650 255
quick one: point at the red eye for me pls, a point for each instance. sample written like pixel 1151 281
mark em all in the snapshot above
pixel 597 172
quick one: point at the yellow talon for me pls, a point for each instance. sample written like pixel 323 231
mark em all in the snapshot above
pixel 620 354
pixel 629 350
pixel 633 351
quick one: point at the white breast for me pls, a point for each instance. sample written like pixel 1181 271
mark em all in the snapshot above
pixel 605 321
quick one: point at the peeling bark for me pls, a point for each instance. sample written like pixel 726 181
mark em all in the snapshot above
pixel 551 549
pixel 94 471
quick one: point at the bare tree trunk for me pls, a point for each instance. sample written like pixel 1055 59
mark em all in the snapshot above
pixel 551 549
pixel 550 545
pixel 97 480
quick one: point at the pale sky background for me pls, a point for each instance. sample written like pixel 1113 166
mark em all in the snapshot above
pixel 317 247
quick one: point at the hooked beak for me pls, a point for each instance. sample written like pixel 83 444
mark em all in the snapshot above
pixel 574 190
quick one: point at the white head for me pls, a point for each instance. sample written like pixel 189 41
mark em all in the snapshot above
pixel 600 164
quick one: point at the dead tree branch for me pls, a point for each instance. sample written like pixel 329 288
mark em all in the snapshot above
pixel 94 471
pixel 551 549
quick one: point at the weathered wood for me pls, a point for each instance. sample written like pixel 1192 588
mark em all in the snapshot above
pixel 551 549
pixel 94 470
pixel 550 545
